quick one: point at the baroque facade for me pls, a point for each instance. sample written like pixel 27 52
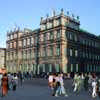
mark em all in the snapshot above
pixel 2 57
pixel 59 45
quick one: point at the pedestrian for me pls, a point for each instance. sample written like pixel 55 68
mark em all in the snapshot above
pixel 62 90
pixel 86 82
pixel 78 84
pixel 82 81
pixel 54 87
pixel 75 83
pixel 94 88
pixel 10 77
pixel 20 78
pixel 58 85
pixel 14 82
pixel 50 80
pixel 4 85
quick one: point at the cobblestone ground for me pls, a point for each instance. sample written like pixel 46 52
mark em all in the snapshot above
pixel 37 89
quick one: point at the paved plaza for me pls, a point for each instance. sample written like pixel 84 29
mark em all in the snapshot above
pixel 37 89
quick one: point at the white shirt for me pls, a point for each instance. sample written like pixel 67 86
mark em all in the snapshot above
pixel 50 78
pixel 94 85
pixel 57 79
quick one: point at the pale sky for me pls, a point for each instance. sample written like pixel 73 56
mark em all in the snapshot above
pixel 27 13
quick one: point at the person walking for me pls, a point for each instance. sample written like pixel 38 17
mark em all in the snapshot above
pixel 58 85
pixel 50 80
pixel 4 85
pixel 75 83
pixel 15 82
pixel 94 88
pixel 20 78
pixel 86 82
pixel 62 90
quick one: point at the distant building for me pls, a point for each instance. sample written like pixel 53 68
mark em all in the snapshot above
pixel 2 57
pixel 59 45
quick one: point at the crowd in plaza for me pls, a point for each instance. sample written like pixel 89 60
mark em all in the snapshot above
pixel 9 81
pixel 81 82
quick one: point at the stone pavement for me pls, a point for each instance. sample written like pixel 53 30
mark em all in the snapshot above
pixel 37 89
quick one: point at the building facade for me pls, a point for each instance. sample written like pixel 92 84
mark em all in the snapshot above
pixel 59 45
pixel 2 57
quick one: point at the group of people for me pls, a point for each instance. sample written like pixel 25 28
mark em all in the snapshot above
pixel 88 82
pixel 9 81
pixel 56 84
pixel 80 82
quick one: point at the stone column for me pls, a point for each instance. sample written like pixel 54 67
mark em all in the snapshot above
pixel 64 59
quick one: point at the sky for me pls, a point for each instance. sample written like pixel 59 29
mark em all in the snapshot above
pixel 27 13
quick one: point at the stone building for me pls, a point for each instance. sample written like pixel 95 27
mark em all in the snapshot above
pixel 59 45
pixel 2 57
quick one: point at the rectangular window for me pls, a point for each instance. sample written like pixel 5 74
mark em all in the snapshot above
pixel 57 67
pixel 71 67
pixel 24 42
pixel 77 68
pixel 58 50
pixel 71 52
pixel 51 51
pixel 76 53
pixel 75 38
pixel 58 34
pixel 51 35
pixel 70 36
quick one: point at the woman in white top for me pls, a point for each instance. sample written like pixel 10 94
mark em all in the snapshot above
pixel 94 88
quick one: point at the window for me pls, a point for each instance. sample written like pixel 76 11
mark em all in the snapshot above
pixel 32 53
pixel 28 54
pixel 20 44
pixel 77 68
pixel 43 52
pixel 48 36
pixel 70 36
pixel 58 50
pixel 44 37
pixel 43 27
pixel 57 67
pixel 51 51
pixel 83 41
pixel 14 44
pixel 83 54
pixel 76 53
pixel 75 37
pixel 57 22
pixel 58 34
pixel 49 25
pixel 11 36
pixel 51 35
pixel 24 42
pixel 41 37
pixel 15 35
pixel 71 67
pixel 32 40
pixel 8 37
pixel 71 52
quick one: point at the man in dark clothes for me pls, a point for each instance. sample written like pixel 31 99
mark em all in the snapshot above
pixel 20 78
pixel 86 82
